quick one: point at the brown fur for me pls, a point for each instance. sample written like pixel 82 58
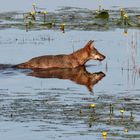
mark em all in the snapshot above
pixel 79 75
pixel 78 58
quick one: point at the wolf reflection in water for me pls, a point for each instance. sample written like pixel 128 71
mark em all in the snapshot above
pixel 79 75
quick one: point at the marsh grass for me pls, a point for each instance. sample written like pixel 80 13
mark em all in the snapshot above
pixel 132 65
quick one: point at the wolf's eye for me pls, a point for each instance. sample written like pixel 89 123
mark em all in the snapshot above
pixel 95 52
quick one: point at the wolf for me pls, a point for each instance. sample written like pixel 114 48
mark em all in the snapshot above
pixel 73 60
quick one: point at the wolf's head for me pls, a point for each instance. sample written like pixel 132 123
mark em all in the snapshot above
pixel 93 52
pixel 94 78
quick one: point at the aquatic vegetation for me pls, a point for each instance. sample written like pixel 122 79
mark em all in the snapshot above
pixel 131 116
pixel 70 111
pixel 62 27
pixel 44 13
pixel 80 112
pixel 34 7
pixel 33 15
pixel 104 134
pixel 76 19
pixel 122 13
pixel 126 130
pixel 122 111
pixel 92 105
pixel 8 18
pixel 111 109
pixel 103 14
pixel 112 122
pixel 126 20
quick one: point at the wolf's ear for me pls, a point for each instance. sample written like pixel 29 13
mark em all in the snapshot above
pixel 90 44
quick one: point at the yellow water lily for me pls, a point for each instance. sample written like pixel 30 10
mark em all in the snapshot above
pixel 45 12
pixel 32 13
pixel 126 130
pixel 121 9
pixel 125 16
pixel 63 24
pixel 92 105
pixel 104 133
pixel 62 27
pixel 34 4
pixel 122 110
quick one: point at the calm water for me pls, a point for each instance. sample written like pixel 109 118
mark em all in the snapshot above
pixel 52 5
pixel 51 108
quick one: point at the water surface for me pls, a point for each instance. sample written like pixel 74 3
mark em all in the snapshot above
pixel 39 108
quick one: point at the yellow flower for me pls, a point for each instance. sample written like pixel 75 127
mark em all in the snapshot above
pixel 34 4
pixel 125 16
pixel 45 12
pixel 32 13
pixel 104 133
pixel 92 105
pixel 121 9
pixel 122 110
pixel 63 24
pixel 126 130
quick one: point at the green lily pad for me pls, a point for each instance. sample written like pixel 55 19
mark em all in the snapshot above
pixel 102 14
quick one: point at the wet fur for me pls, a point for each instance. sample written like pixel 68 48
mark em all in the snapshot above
pixel 78 58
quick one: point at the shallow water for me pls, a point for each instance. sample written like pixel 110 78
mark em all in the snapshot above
pixel 52 108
